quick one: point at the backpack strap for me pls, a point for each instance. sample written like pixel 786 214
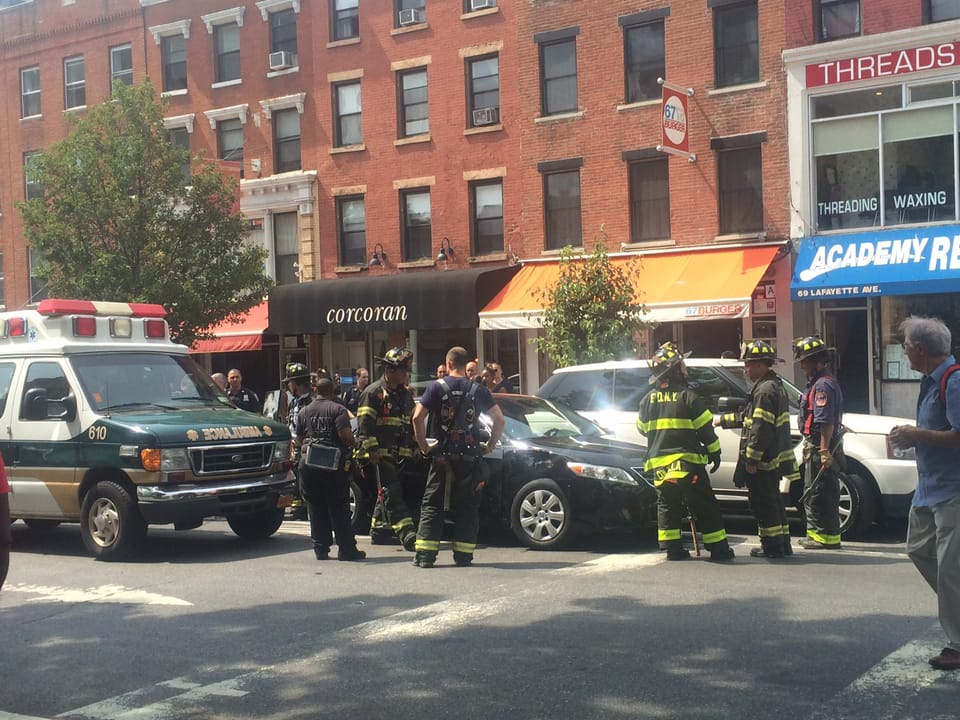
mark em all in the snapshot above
pixel 943 382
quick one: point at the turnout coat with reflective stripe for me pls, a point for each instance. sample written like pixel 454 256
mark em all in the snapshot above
pixel 383 421
pixel 678 426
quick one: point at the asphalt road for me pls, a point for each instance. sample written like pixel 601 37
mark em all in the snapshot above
pixel 205 626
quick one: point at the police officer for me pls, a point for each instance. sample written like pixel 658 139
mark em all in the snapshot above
pixel 351 398
pixel 297 381
pixel 821 413
pixel 243 398
pixel 454 404
pixel 766 451
pixel 326 485
pixel 680 436
pixel 385 436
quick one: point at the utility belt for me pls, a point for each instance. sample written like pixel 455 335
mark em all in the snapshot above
pixel 811 450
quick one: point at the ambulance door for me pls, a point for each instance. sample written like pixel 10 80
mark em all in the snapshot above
pixel 8 371
pixel 44 447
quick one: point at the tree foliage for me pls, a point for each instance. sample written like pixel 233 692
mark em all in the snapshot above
pixel 116 222
pixel 590 314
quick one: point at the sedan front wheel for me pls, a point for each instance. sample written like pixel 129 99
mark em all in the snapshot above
pixel 540 515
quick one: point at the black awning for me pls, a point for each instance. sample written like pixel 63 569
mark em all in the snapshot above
pixel 427 300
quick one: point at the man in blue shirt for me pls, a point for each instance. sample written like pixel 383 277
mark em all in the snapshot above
pixel 933 537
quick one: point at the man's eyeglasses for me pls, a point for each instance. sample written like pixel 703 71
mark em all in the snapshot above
pixel 906 345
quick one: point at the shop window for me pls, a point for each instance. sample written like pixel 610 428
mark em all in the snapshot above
pixel 740 190
pixel 486 206
pixel 940 10
pixel 837 19
pixel 736 41
pixel 347 111
pixel 558 77
pixel 894 309
pixel 888 97
pixel 649 200
pixel 286 139
pixel 417 225
pixel 413 112
pixel 848 173
pixel 644 52
pixel 352 230
pixel 483 91
pixel 285 248
pixel 561 207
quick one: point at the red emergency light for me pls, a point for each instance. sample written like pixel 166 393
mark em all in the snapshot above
pixel 85 326
pixel 155 328
pixel 16 327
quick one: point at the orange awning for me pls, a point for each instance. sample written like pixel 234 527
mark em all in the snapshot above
pixel 683 285
pixel 245 334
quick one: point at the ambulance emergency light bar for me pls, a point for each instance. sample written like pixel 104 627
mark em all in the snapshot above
pixel 86 313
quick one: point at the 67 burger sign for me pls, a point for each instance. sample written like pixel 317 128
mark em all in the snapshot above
pixel 674 120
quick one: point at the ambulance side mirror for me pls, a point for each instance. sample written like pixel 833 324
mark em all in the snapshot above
pixel 69 404
pixel 34 404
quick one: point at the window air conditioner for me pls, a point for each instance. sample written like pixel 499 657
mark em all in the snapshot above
pixel 486 116
pixel 482 4
pixel 411 17
pixel 281 60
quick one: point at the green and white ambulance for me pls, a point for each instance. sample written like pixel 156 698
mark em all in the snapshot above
pixel 106 422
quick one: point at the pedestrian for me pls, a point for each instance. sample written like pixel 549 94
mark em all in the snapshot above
pixel 220 380
pixel 472 369
pixel 298 380
pixel 488 377
pixel 5 538
pixel 457 469
pixel 820 419
pixel 351 398
pixel 385 437
pixel 441 370
pixel 500 383
pixel 933 533
pixel 325 440
pixel 243 398
pixel 766 451
pixel 680 439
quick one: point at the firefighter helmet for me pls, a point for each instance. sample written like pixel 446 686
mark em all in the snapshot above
pixel 664 360
pixel 759 350
pixel 809 346
pixel 296 371
pixel 397 357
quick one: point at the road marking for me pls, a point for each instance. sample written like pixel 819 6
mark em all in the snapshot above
pixel 101 594
pixel 14 716
pixel 124 707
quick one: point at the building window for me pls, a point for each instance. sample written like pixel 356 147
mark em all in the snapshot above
pixel 413 112
pixel 74 83
pixel 173 55
pixel 740 190
pixel 352 230
pixel 558 77
pixel 286 139
pixel 561 208
pixel 226 38
pixel 32 187
pixel 483 91
pixel 121 65
pixel 837 19
pixel 286 251
pixel 347 107
pixel 649 200
pixel 230 141
pixel 283 31
pixel 2 283
pixel 180 140
pixel 736 41
pixel 940 10
pixel 486 206
pixel 38 287
pixel 417 230
pixel 409 12
pixel 30 91
pixel 644 52
pixel 344 19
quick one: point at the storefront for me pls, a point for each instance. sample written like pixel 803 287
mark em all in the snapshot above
pixel 874 157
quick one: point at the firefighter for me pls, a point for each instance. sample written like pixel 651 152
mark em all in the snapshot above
pixel 766 451
pixel 680 436
pixel 385 444
pixel 298 381
pixel 821 413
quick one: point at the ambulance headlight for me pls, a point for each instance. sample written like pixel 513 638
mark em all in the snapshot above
pixel 166 460
pixel 281 451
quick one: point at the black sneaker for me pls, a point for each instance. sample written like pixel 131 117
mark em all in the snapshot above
pixel 351 554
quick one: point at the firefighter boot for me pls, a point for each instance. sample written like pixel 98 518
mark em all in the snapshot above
pixel 462 559
pixel 721 552
pixel 425 559
pixel 676 550
pixel 787 545
pixel 409 540
pixel 770 547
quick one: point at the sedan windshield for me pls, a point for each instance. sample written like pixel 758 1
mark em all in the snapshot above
pixel 530 417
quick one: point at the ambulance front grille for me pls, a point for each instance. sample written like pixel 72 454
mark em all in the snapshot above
pixel 221 459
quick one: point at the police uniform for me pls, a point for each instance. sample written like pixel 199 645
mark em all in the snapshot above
pixel 765 445
pixel 296 371
pixel 820 404
pixel 245 399
pixel 680 436
pixel 383 427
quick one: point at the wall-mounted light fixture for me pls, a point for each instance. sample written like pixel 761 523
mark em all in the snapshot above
pixel 297 270
pixel 379 256
pixel 445 254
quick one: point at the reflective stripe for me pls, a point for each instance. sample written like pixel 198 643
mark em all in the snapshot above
pixel 667 535
pixel 664 460
pixel 405 522
pixel 367 411
pixel 823 539
pixel 764 416
pixel 427 545
pixel 705 418
pixel 714 537
pixel 773 531
pixel 666 424
pixel 464 547
pixel 393 421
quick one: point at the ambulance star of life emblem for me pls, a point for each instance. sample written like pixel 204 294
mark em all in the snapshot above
pixel 267 430
pixel 192 435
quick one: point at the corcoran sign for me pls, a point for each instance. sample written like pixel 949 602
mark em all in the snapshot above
pixel 889 262
pixel 368 314
pixel 881 65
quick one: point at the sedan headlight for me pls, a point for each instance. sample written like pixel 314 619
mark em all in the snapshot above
pixel 601 472
pixel 281 451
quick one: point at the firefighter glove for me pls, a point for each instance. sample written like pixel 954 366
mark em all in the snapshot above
pixel 715 460
pixel 826 458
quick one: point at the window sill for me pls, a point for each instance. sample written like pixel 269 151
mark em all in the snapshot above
pixel 348 149
pixel 480 13
pixel 556 253
pixel 492 257
pixel 638 105
pixel 227 83
pixel 410 29
pixel 343 269
pixel 288 71
pixel 412 140
pixel 343 43
pixel 173 93
pixel 32 117
pixel 758 235
pixel 481 129
pixel 424 262
pixel 763 84
pixel 646 245
pixel 75 108
pixel 558 117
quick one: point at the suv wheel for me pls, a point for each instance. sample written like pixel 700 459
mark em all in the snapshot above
pixel 858 505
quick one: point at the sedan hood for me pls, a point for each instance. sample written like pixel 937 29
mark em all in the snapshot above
pixel 593 448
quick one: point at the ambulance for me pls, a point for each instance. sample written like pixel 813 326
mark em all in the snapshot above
pixel 107 422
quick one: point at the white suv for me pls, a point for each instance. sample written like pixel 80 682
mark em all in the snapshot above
pixel 879 482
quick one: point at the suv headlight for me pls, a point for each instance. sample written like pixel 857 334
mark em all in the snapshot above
pixel 902 453
pixel 281 451
pixel 601 472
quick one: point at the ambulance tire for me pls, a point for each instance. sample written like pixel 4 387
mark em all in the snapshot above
pixel 40 525
pixel 110 523
pixel 256 526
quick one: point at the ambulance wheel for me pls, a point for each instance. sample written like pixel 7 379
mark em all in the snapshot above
pixel 110 523
pixel 256 526
pixel 40 525
pixel 540 515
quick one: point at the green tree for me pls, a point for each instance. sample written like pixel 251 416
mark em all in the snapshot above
pixel 116 222
pixel 590 314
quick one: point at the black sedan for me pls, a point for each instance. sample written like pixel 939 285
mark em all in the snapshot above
pixel 552 474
